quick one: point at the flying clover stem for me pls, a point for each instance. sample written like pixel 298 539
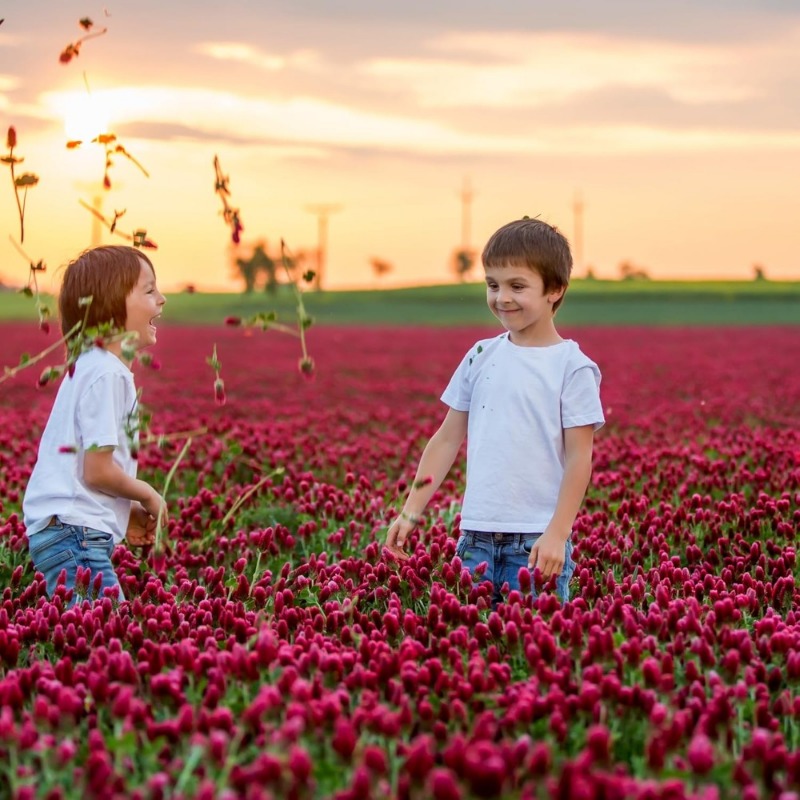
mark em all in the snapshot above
pixel 25 181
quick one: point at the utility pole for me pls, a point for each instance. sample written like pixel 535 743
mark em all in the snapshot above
pixel 322 211
pixel 97 225
pixel 466 214
pixel 98 195
pixel 464 257
pixel 577 235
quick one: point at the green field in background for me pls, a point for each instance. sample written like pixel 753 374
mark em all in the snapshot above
pixel 588 302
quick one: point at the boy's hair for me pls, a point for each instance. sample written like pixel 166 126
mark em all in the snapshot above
pixel 107 274
pixel 536 245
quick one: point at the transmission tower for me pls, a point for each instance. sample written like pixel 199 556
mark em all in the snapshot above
pixel 322 212
pixel 98 196
pixel 466 214
pixel 577 234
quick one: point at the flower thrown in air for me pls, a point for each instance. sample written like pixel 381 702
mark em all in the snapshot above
pixel 25 181
pixel 73 49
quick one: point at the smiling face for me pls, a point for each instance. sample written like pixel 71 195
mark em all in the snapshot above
pixel 516 296
pixel 143 306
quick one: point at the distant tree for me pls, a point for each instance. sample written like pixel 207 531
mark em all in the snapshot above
pixel 590 276
pixel 293 264
pixel 380 267
pixel 243 268
pixel 630 272
pixel 463 261
pixel 759 274
pixel 255 266
pixel 262 264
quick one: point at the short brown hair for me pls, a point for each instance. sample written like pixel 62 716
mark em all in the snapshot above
pixel 536 245
pixel 108 274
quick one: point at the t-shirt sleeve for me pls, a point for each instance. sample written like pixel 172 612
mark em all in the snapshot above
pixel 580 398
pixel 458 393
pixel 99 412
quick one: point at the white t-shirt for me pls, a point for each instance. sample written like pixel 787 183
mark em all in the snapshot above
pixel 96 407
pixel 519 401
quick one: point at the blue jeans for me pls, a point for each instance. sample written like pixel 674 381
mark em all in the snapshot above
pixel 60 546
pixel 506 554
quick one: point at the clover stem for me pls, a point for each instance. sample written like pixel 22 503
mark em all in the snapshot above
pixel 20 206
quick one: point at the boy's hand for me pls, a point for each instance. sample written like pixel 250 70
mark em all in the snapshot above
pixel 141 527
pixel 548 554
pixel 399 531
pixel 155 506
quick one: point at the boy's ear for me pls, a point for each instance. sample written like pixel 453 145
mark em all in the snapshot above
pixel 556 294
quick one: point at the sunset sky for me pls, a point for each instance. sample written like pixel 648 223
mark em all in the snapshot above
pixel 675 124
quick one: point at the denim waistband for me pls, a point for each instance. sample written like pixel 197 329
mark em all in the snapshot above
pixel 53 522
pixel 501 538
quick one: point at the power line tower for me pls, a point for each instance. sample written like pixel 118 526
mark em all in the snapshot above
pixel 322 211
pixel 466 214
pixel 577 234
pixel 97 225
pixel 464 256
pixel 98 196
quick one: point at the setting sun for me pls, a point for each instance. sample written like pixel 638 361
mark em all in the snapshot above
pixel 85 117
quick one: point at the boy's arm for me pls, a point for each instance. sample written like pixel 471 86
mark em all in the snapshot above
pixel 437 458
pixel 102 474
pixel 548 552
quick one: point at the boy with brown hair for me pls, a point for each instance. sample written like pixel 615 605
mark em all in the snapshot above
pixel 83 496
pixel 528 403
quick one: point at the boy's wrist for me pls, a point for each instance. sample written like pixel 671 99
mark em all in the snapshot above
pixel 561 531
pixel 410 516
pixel 146 492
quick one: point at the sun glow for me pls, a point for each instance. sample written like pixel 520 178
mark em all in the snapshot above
pixel 85 117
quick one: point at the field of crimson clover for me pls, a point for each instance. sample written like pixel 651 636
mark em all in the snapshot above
pixel 272 651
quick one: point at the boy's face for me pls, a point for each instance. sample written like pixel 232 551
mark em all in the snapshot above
pixel 143 305
pixel 516 296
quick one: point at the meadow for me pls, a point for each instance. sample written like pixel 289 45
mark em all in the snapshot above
pixel 590 302
pixel 271 650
